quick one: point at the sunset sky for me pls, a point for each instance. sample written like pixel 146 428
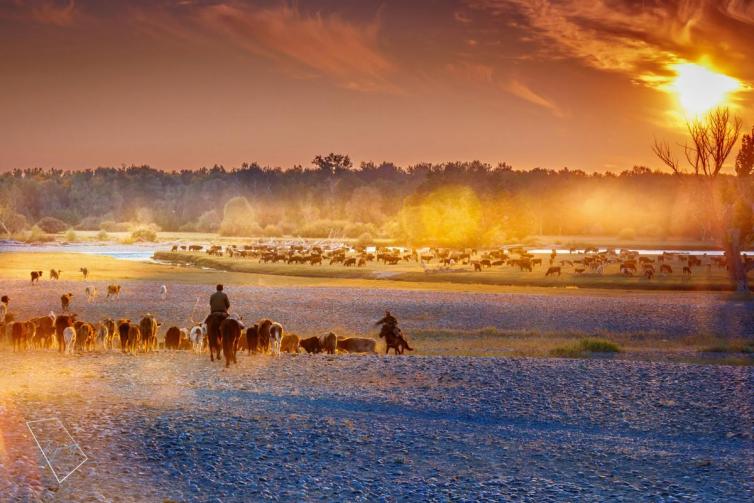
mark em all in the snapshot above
pixel 182 84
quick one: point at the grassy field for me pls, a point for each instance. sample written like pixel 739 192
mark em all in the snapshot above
pixel 702 279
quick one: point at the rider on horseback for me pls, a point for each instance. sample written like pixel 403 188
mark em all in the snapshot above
pixel 392 334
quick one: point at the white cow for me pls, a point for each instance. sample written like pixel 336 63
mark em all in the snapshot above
pixel 276 336
pixel 163 292
pixel 196 336
pixel 69 336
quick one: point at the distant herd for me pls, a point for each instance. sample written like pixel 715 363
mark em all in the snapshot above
pixel 589 260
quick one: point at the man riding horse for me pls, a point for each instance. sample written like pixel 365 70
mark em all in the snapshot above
pixel 392 334
pixel 218 306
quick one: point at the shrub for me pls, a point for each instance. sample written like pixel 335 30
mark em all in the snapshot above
pixel 71 236
pixel 37 235
pixel 144 234
pixel 585 346
pixel 103 236
pixel 51 225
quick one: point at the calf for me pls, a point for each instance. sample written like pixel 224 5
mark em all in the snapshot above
pixel 85 336
pixel 85 272
pixel 357 345
pixel 22 332
pixel 665 268
pixel 55 274
pixel 35 275
pixel 687 270
pixel 45 330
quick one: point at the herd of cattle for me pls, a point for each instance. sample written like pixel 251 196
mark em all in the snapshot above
pixel 589 260
pixel 222 336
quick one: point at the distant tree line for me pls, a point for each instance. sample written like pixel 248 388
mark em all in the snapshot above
pixel 453 203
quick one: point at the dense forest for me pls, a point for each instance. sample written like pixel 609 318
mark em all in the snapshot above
pixel 449 203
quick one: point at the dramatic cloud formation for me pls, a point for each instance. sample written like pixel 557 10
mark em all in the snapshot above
pixel 59 13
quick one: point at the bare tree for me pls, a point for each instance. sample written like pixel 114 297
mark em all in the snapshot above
pixel 711 141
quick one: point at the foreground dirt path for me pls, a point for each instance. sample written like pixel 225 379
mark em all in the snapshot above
pixel 171 425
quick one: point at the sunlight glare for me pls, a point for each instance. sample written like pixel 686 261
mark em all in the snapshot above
pixel 700 89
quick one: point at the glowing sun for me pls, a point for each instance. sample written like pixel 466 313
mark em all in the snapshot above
pixel 700 89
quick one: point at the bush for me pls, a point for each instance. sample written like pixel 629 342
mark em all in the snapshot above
pixel 103 236
pixel 584 347
pixel 51 225
pixel 71 236
pixel 144 234
pixel 37 235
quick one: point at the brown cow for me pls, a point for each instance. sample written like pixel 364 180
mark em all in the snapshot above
pixel 553 270
pixel 357 345
pixel 173 338
pixel 85 272
pixel 134 337
pixel 65 301
pixel 55 274
pixel 124 325
pixel 113 291
pixel 311 345
pixel 252 338
pixel 290 343
pixel 148 327
pixel 61 323
pixel 22 332
pixel 329 343
pixel 35 275
pixel 45 330
pixel 230 328
pixel 85 336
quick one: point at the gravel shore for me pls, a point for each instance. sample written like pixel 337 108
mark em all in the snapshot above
pixel 364 428
pixel 317 309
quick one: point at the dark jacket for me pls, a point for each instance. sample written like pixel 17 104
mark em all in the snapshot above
pixel 219 303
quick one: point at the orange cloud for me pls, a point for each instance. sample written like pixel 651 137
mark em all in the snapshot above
pixel 304 45
pixel 521 90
